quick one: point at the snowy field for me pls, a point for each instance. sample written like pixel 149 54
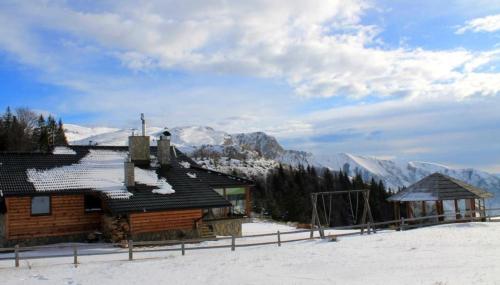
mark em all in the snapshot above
pixel 447 254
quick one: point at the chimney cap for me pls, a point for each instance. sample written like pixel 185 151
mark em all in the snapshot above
pixel 165 133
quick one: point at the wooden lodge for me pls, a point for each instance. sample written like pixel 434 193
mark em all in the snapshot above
pixel 141 192
pixel 440 195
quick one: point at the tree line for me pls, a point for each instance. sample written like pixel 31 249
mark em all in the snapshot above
pixel 23 130
pixel 285 194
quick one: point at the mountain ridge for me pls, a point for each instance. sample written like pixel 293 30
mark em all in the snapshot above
pixel 255 153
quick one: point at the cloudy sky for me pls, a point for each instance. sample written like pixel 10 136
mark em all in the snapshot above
pixel 415 80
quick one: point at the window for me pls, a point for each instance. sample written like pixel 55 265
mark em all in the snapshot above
pixel 237 198
pixel 92 203
pixel 40 205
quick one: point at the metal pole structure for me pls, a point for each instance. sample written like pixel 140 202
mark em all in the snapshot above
pixel 363 217
pixel 314 198
pixel 370 212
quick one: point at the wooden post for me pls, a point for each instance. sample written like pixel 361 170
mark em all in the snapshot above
pixel 130 249
pixel 402 225
pixel 75 256
pixel 233 243
pixel 397 211
pixel 279 239
pixel 183 248
pixel 16 255
pixel 457 210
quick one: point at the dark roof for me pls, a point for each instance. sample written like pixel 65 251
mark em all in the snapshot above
pixel 13 166
pixel 189 192
pixel 438 186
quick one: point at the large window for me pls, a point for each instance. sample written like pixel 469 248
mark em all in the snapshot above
pixel 92 203
pixel 237 198
pixel 40 205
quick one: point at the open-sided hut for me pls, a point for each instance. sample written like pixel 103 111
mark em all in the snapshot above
pixel 439 194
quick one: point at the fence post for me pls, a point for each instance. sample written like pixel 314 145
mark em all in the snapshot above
pixel 402 224
pixel 130 249
pixel 233 243
pixel 368 228
pixel 279 239
pixel 75 256
pixel 183 248
pixel 16 254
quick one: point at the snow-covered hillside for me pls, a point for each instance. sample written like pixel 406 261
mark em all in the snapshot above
pixel 256 153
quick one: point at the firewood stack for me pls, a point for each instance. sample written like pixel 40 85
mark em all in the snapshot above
pixel 115 228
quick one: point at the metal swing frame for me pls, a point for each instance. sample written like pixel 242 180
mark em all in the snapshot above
pixel 367 213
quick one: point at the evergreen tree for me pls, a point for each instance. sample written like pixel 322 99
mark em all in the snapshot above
pixel 60 135
pixel 24 131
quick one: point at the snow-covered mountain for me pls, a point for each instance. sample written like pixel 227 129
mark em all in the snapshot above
pixel 256 153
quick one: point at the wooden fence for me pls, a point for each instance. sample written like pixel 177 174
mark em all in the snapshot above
pixel 182 245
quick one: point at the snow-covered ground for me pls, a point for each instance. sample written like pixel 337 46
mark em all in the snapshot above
pixel 447 254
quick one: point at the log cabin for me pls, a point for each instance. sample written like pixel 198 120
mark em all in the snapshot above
pixel 140 192
pixel 440 195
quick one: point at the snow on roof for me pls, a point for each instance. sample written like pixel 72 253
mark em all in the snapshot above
pixel 419 196
pixel 191 174
pixel 63 150
pixel 164 190
pixel 100 170
pixel 185 164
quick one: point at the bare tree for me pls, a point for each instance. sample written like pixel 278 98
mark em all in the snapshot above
pixel 27 119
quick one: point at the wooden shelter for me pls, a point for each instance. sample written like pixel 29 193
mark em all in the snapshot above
pixel 439 194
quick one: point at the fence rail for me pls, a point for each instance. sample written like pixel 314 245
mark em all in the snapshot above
pixel 181 245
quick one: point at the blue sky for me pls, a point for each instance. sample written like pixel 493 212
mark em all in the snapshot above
pixel 410 80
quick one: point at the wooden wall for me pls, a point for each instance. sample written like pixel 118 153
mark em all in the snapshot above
pixel 163 220
pixel 67 217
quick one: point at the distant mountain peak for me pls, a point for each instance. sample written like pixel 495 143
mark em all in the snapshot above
pixel 257 152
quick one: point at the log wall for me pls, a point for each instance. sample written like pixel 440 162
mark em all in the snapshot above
pixel 163 221
pixel 67 217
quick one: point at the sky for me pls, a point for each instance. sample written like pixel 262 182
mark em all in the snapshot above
pixel 405 80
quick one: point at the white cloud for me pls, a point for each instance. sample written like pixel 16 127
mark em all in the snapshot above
pixel 487 24
pixel 320 48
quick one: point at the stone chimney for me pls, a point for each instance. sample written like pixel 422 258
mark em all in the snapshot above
pixel 129 173
pixel 163 152
pixel 138 147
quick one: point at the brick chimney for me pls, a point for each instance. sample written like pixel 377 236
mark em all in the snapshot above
pixel 164 149
pixel 138 146
pixel 129 173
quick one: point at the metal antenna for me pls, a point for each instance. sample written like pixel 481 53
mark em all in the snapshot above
pixel 143 125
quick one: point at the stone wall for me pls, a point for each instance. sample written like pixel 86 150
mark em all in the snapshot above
pixel 166 235
pixel 226 227
pixel 2 229
pixel 46 240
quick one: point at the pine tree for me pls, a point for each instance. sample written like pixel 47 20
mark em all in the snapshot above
pixel 60 137
pixel 42 138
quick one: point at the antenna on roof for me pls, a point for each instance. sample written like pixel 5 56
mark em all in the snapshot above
pixel 143 125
